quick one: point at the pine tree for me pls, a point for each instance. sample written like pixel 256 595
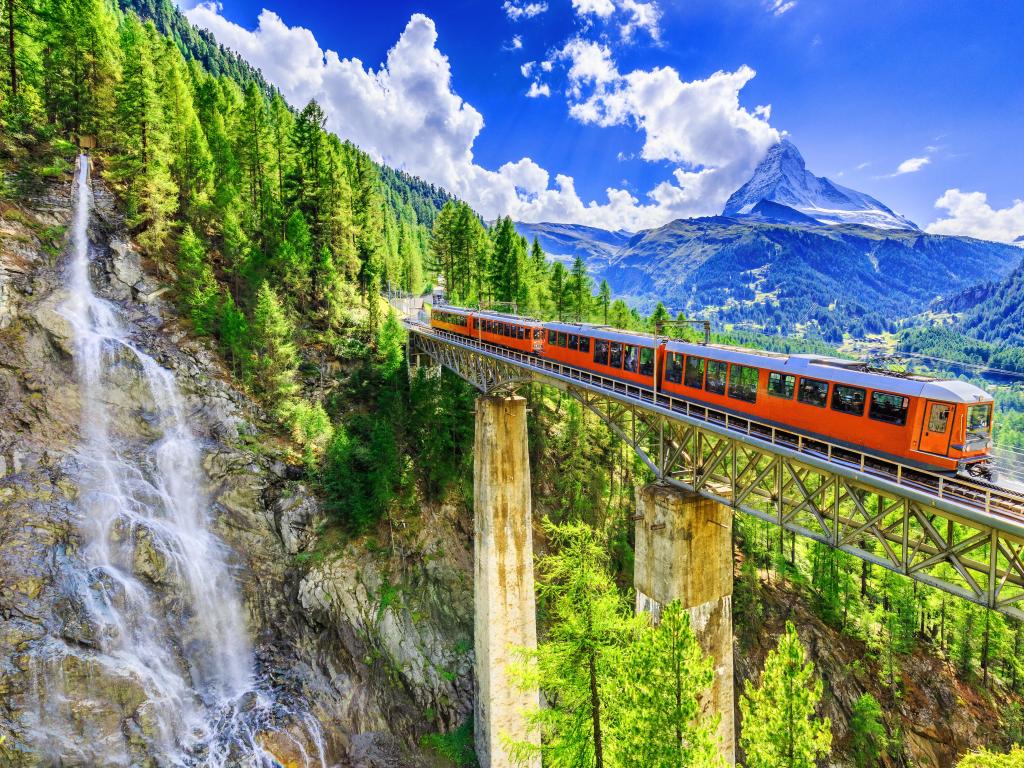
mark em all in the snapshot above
pixel 579 288
pixel 867 732
pixel 575 663
pixel 780 729
pixel 655 720
pixel 604 299
pixel 197 288
pixel 274 362
pixel 558 289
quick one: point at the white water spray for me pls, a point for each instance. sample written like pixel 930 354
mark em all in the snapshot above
pixel 155 582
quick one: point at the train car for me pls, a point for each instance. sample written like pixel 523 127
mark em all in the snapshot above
pixel 511 331
pixel 915 420
pixel 451 319
pixel 622 355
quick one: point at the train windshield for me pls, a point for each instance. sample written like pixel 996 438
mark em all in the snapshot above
pixel 979 421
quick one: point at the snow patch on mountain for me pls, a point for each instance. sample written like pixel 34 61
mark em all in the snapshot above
pixel 782 178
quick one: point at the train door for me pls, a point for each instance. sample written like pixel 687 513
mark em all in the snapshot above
pixel 936 427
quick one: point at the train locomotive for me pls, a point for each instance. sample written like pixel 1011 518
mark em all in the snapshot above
pixel 933 424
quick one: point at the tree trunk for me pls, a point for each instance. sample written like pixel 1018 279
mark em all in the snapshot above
pixel 595 713
pixel 11 50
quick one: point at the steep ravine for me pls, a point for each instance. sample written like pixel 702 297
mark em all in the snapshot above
pixel 366 649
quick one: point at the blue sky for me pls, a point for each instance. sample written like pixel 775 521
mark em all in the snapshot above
pixel 659 101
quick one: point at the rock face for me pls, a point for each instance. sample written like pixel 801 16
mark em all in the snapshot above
pixel 364 651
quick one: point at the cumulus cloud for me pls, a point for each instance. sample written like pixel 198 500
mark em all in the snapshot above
pixel 406 114
pixel 969 213
pixel 519 10
pixel 517 43
pixel 631 15
pixel 538 89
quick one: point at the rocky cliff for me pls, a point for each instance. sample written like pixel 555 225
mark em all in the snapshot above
pixel 362 650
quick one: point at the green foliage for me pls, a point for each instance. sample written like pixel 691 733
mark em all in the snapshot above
pixel 441 429
pixel 274 361
pixel 868 739
pixel 983 758
pixel 780 729
pixel 198 291
pixel 455 746
pixel 361 471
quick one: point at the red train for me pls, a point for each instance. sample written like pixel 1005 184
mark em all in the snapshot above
pixel 942 425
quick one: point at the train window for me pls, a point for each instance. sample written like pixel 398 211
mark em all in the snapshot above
pixel 979 421
pixel 813 392
pixel 585 344
pixel 695 372
pixel 743 383
pixel 574 342
pixel 717 372
pixel 938 418
pixel 551 337
pixel 848 399
pixel 781 385
pixel 601 351
pixel 674 367
pixel 889 408
pixel 538 334
pixel 630 359
pixel 647 361
pixel 521 332
pixel 561 339
pixel 615 359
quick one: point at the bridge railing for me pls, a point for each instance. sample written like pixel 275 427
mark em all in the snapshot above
pixel 962 536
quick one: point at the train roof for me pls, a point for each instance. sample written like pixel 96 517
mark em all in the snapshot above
pixel 606 333
pixel 503 316
pixel 842 371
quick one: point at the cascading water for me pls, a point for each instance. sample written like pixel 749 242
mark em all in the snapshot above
pixel 154 580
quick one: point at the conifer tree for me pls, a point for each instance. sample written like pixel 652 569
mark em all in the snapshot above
pixel 604 299
pixel 579 288
pixel 780 729
pixel 274 362
pixel 867 732
pixel 574 665
pixel 656 719
pixel 558 289
pixel 197 287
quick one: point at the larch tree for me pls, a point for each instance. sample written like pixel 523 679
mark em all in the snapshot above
pixel 604 299
pixel 780 728
pixel 656 718
pixel 575 663
pixel 274 361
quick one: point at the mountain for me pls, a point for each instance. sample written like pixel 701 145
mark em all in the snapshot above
pixel 564 242
pixel 782 178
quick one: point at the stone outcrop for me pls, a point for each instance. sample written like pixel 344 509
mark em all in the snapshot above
pixel 365 649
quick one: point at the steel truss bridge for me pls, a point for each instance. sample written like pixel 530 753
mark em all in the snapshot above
pixel 965 537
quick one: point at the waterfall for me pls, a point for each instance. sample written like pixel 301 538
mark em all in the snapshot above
pixel 154 581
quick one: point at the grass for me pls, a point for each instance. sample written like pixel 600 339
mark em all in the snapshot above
pixel 456 747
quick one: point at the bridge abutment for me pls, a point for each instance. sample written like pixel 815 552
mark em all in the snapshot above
pixel 503 570
pixel 684 553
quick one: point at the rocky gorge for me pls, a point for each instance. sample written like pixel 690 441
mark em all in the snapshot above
pixel 356 655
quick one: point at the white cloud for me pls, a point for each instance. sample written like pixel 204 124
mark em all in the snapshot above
pixel 970 214
pixel 600 8
pixel 643 16
pixel 547 65
pixel 405 113
pixel 517 10
pixel 517 43
pixel 911 165
pixel 527 68
pixel 633 15
pixel 538 89
pixel 779 7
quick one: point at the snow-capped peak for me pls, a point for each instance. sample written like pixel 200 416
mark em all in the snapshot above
pixel 782 177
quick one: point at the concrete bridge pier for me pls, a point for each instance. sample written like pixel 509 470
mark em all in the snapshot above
pixel 503 571
pixel 684 552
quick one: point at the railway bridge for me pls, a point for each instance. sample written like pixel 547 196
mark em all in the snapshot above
pixel 962 536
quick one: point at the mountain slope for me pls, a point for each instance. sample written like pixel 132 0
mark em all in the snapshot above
pixel 782 177
pixel 565 242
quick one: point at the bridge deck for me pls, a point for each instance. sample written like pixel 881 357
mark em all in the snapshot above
pixel 963 536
